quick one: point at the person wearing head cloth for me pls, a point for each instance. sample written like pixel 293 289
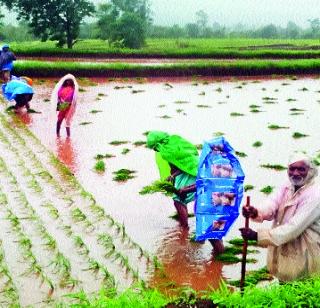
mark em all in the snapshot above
pixel 6 62
pixel 64 101
pixel 293 241
pixel 177 160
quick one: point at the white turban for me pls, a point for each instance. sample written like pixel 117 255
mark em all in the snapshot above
pixel 302 156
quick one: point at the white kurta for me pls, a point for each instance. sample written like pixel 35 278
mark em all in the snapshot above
pixel 293 241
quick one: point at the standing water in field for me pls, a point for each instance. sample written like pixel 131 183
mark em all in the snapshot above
pixel 264 120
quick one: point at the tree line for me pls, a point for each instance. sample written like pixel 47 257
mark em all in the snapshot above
pixel 123 23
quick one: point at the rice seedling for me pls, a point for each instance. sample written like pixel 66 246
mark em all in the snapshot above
pixel 296 113
pixel 275 167
pixel 137 91
pixel 202 93
pixel 68 282
pixel 139 143
pixel 267 190
pixel 248 187
pixel 179 110
pixel 195 84
pixel 241 154
pixel 257 144
pixel 168 85
pixel 263 89
pixel 61 264
pixel 102 156
pixel 219 90
pixel 100 166
pixel 236 114
pixel 94 266
pixel 78 242
pixel 98 210
pixel 285 84
pixel 254 106
pixel 50 243
pixel 161 106
pixel 291 100
pixel 46 100
pixel 118 142
pixel 181 102
pixel 82 90
pixel 94 111
pixel 165 117
pixel 123 175
pixel 159 186
pixel 239 242
pixel 218 134
pixel 77 215
pixel 33 183
pixel 125 151
pixel 296 110
pixel 199 146
pixel 203 106
pixel 238 87
pixel 85 123
pixel 303 89
pixel 275 127
pixel 101 94
pixel 146 133
pixel 297 135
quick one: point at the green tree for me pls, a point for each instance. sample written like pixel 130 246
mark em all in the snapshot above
pixel 53 20
pixel 192 30
pixel 124 22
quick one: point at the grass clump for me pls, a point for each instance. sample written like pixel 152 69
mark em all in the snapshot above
pixel 118 142
pixel 257 144
pixel 123 175
pixel 241 154
pixel 236 114
pixel 267 190
pixel 181 102
pixel 100 166
pixel 102 156
pixel 93 111
pixel 139 143
pixel 248 187
pixel 203 106
pixel 297 135
pixel 275 167
pixel 275 126
pixel 159 186
pixel 125 151
pixel 85 123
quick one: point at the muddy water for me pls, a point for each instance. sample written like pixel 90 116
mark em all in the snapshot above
pixel 126 116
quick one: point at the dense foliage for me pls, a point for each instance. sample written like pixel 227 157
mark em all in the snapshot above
pixel 123 22
pixel 54 20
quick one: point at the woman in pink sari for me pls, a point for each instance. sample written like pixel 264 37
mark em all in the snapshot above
pixel 64 97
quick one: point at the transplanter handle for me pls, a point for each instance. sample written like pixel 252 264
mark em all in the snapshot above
pixel 244 252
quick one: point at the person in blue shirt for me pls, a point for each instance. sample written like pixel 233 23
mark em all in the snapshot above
pixel 6 62
pixel 19 91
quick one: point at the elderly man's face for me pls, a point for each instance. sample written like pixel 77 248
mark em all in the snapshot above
pixel 298 172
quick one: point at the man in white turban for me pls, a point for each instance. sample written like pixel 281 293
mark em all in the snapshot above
pixel 293 241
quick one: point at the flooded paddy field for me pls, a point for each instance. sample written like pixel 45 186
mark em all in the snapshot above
pixel 265 120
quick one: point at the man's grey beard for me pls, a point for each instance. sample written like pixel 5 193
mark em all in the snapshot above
pixel 297 180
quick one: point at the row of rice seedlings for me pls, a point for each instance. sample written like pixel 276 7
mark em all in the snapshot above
pixel 93 208
pixel 50 243
pixel 275 167
pixel 9 289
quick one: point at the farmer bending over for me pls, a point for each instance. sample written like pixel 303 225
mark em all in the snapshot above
pixel 179 158
pixel 293 241
pixel 19 91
